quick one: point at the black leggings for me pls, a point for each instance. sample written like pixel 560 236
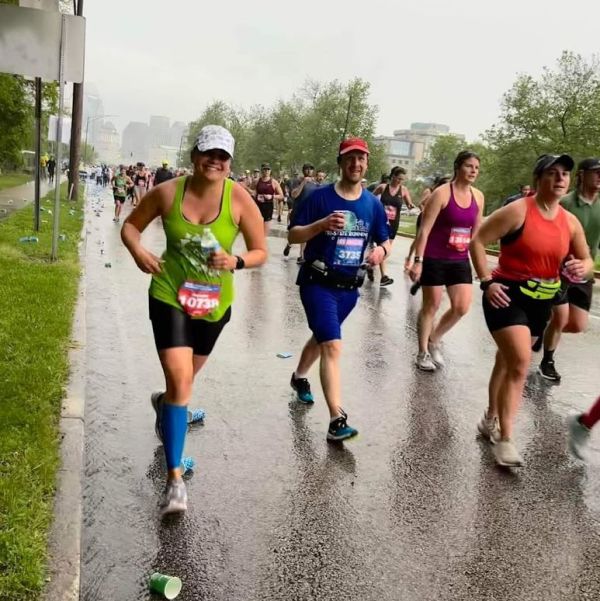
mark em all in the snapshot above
pixel 173 328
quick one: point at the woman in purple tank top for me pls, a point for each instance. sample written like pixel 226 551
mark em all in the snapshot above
pixel 452 215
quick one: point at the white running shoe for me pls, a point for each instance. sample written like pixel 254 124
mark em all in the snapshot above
pixel 489 428
pixel 425 362
pixel 506 454
pixel 175 499
pixel 579 437
pixel 435 350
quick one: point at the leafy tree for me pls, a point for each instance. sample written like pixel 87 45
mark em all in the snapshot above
pixel 16 120
pixel 441 155
pixel 309 127
pixel 559 112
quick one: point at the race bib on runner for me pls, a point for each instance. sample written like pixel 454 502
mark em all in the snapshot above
pixel 199 298
pixel 460 238
pixel 348 251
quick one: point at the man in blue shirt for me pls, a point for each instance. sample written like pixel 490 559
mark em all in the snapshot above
pixel 336 226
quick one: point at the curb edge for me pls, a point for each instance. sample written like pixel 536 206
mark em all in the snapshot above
pixel 64 542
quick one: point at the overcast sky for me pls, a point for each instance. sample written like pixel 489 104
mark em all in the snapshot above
pixel 442 61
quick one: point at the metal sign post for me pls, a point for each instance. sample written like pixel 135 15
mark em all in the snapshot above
pixel 61 106
pixel 38 152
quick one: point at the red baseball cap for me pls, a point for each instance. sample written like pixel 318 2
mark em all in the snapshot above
pixel 353 144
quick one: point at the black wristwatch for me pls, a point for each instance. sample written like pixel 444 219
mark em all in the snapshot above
pixel 240 263
pixel 484 285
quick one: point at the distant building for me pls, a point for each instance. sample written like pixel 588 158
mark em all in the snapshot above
pixel 408 147
pixel 93 111
pixel 136 144
pixel 154 142
pixel 108 144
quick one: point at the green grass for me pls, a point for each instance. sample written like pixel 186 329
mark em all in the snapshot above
pixel 37 300
pixel 10 180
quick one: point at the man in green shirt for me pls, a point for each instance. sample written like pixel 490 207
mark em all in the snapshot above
pixel 572 306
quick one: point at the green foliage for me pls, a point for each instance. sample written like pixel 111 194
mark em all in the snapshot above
pixel 440 158
pixel 559 112
pixel 16 120
pixel 309 127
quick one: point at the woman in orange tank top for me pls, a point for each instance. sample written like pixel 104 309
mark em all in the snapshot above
pixel 536 234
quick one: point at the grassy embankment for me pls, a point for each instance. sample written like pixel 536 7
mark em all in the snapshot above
pixel 10 180
pixel 37 301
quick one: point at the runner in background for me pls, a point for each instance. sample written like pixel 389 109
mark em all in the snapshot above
pixel 392 196
pixel 120 182
pixel 452 214
pixel 571 312
pixel 266 192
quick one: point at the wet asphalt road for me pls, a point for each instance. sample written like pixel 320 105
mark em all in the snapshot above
pixel 413 510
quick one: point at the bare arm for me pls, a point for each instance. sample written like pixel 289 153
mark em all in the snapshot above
pixel 298 189
pixel 580 263
pixel 379 190
pixel 251 226
pixel 278 191
pixel 138 220
pixel 434 205
pixel 407 198
pixel 303 233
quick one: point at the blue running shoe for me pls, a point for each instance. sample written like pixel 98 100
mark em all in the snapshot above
pixel 156 400
pixel 195 415
pixel 302 387
pixel 187 464
pixel 340 430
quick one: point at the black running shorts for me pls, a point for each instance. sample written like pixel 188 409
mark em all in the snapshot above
pixel 266 210
pixel 439 272
pixel 579 295
pixel 522 311
pixel 173 328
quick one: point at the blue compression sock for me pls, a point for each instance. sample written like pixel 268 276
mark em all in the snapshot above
pixel 174 428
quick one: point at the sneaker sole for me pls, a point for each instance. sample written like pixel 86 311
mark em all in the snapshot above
pixel 169 510
pixel 331 438
pixel 428 369
pixel 549 378
pixel 507 464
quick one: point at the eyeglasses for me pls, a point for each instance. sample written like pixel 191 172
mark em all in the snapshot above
pixel 217 154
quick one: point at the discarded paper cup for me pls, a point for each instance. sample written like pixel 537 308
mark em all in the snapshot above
pixel 168 586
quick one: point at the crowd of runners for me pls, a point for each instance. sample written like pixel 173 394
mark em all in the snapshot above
pixel 541 286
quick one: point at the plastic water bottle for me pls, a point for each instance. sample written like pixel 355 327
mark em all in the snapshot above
pixel 209 245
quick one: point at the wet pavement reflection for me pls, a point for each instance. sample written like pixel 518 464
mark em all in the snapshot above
pixel 415 509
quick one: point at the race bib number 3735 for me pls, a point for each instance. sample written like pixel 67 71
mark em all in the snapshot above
pixel 348 251
pixel 199 298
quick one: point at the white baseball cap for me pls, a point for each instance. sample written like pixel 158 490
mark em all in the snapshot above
pixel 212 137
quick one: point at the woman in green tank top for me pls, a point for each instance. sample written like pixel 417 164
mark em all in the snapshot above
pixel 191 291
